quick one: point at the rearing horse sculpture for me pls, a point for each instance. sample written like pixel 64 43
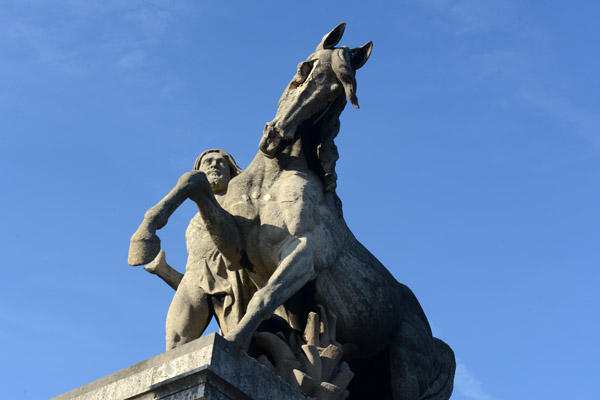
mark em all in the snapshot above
pixel 282 221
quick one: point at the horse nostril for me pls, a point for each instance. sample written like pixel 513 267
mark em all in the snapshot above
pixel 268 130
pixel 269 146
pixel 271 131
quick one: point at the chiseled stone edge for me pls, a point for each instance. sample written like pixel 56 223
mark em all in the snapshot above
pixel 207 356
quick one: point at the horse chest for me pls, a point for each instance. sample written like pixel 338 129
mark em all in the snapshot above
pixel 275 209
pixel 290 205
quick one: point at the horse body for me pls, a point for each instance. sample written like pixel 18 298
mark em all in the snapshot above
pixel 298 234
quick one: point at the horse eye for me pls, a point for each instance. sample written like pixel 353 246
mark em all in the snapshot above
pixel 304 69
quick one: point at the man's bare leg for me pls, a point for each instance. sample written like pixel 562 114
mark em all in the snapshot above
pixel 189 314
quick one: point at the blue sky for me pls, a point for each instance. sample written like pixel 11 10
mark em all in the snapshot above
pixel 471 171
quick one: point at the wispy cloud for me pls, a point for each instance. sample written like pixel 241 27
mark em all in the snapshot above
pixel 519 63
pixel 147 27
pixel 132 59
pixel 151 21
pixel 46 47
pixel 469 16
pixel 582 122
pixel 508 63
pixel 466 384
pixel 78 37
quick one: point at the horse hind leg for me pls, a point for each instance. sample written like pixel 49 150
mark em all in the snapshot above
pixel 371 377
pixel 404 376
pixel 421 371
pixel 442 384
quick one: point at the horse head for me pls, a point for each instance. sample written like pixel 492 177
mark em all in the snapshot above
pixel 325 76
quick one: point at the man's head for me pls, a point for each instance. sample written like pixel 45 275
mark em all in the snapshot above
pixel 219 167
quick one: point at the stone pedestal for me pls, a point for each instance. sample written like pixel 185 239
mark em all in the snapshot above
pixel 208 368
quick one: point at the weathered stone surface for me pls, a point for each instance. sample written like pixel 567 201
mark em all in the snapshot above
pixel 281 222
pixel 209 368
pixel 311 360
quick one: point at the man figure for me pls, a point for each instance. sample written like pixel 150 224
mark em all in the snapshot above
pixel 208 287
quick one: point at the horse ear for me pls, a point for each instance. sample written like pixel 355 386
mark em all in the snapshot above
pixel 360 55
pixel 332 38
pixel 342 67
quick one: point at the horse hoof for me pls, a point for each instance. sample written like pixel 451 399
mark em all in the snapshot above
pixel 143 251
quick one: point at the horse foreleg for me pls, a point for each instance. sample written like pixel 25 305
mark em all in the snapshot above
pixel 294 271
pixel 145 244
pixel 219 223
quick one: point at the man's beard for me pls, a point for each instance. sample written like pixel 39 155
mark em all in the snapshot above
pixel 217 181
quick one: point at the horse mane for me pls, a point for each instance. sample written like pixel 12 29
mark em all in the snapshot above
pixel 326 151
pixel 328 124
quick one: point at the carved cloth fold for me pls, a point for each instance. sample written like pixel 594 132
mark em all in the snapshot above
pixel 229 291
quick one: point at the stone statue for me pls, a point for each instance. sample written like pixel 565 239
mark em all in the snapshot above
pixel 208 287
pixel 282 222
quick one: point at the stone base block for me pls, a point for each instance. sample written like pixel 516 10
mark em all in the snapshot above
pixel 209 368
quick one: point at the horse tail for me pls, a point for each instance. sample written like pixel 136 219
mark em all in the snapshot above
pixel 442 384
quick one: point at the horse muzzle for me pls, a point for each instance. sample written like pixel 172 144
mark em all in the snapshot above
pixel 275 139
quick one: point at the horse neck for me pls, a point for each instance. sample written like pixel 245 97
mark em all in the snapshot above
pixel 290 159
pixel 268 169
pixel 302 156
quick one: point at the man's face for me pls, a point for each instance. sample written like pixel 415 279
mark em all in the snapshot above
pixel 216 168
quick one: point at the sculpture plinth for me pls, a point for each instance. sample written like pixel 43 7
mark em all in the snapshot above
pixel 209 368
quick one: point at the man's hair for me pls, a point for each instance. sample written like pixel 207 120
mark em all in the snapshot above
pixel 233 167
